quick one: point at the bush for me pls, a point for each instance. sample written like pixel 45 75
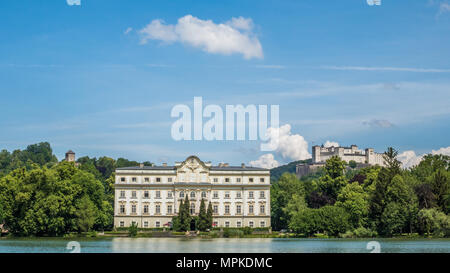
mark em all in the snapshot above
pixel 247 230
pixel 133 230
pixel 360 232
pixel 227 233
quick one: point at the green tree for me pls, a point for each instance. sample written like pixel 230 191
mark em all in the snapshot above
pixel 434 222
pixel 133 230
pixel 203 221
pixel 281 194
pixel 86 214
pixel 355 201
pixel 209 215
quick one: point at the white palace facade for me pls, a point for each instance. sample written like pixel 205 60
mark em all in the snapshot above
pixel 150 195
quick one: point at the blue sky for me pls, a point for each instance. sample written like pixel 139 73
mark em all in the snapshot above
pixel 81 77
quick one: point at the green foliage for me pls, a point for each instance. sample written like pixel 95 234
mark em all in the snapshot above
pixel 384 201
pixel 281 195
pixel 277 172
pixel 52 201
pixel 355 201
pixel 352 164
pixel 209 215
pixel 203 221
pixel 331 220
pixel 434 222
pixel 133 230
pixel 86 213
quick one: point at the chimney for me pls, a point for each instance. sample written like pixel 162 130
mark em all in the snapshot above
pixel 226 164
pixel 141 165
pixel 243 165
pixel 164 164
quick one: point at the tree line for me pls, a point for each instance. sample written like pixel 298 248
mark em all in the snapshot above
pixel 41 196
pixel 373 201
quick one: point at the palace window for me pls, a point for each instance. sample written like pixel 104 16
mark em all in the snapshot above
pixel 158 194
pixel 192 210
pixel 122 194
pixel 192 194
pixel 158 224
pixel 250 195
pixel 238 179
pixel 227 179
pixel 261 180
pixel 238 224
pixel 146 179
pixel 146 224
pixel 250 209
pixel 238 195
pixel 122 179
pixel 158 179
pixel 122 209
pixel 158 209
pixel 169 179
pixel 238 209
pixel 146 194
pixel 262 209
pixel 133 208
pixel 145 208
pixel 216 195
pixel 133 194
pixel 250 180
pixel 122 224
pixel 169 194
pixel 250 224
pixel 203 194
pixel 134 179
pixel 261 195
pixel 216 179
pixel 227 224
pixel 227 195
pixel 215 224
pixel 227 209
pixel 169 209
pixel 216 209
pixel 262 224
pixel 181 194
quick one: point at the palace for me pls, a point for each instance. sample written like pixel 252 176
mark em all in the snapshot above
pixel 149 196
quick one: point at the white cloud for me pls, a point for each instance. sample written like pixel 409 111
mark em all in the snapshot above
pixel 265 161
pixel 410 158
pixel 396 69
pixel 443 151
pixel 73 2
pixel 128 30
pixel 444 7
pixel 232 37
pixel 241 23
pixel 382 123
pixel 270 66
pixel 328 144
pixel 290 146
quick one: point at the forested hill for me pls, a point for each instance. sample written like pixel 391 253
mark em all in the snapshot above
pixel 276 173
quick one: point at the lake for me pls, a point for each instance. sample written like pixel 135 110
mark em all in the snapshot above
pixel 221 245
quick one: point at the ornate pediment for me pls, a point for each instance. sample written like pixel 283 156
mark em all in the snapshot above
pixel 192 170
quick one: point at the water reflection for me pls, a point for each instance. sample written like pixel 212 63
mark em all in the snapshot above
pixel 222 245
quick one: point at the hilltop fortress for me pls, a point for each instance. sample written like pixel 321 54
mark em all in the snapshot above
pixel 320 154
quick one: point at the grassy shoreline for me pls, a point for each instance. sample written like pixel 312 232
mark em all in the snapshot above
pixel 210 235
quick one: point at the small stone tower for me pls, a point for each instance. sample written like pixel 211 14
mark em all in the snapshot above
pixel 70 156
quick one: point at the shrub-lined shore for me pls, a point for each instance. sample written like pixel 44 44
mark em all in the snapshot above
pixel 40 196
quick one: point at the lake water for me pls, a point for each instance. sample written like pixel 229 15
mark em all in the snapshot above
pixel 223 245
